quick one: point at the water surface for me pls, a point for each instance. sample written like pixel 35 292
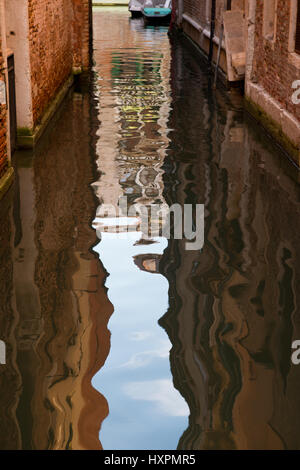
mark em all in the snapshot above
pixel 130 343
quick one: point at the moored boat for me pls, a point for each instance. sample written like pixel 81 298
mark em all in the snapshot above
pixel 157 11
pixel 136 8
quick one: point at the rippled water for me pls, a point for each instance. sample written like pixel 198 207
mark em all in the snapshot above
pixel 132 69
pixel 155 346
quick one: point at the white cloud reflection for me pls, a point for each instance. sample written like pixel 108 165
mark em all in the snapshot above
pixel 140 335
pixel 162 393
pixel 143 358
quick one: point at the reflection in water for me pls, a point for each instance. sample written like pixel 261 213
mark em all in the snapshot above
pixel 156 133
pixel 10 380
pixel 72 298
pixel 54 308
pixel 234 307
pixel 134 100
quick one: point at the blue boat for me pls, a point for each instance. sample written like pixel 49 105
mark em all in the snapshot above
pixel 157 11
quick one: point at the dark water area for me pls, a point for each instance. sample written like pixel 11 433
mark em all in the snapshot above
pixel 123 342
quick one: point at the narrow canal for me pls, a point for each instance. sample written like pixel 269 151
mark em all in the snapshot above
pixel 156 346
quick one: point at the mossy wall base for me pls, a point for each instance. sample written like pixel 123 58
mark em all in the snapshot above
pixel 6 181
pixel 274 129
pixel 27 138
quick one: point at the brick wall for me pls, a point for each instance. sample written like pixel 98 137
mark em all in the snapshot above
pixel 59 32
pixel 50 50
pixel 3 123
pixel 197 10
pixel 196 24
pixel 82 32
pixel 272 67
pixel 200 11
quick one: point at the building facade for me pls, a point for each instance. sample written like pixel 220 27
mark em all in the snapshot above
pixel 218 28
pixel 3 116
pixel 273 70
pixel 42 47
pixel 259 43
pixel 50 40
pixel 5 170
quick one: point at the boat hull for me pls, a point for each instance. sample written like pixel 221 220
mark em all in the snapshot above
pixel 136 8
pixel 136 14
pixel 157 15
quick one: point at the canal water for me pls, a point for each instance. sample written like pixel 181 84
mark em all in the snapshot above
pixel 120 340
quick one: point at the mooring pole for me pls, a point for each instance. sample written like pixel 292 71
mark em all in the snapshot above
pixel 227 6
pixel 212 30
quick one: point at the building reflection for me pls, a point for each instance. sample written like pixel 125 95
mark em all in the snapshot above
pixel 133 88
pixel 10 379
pixel 234 306
pixel 61 309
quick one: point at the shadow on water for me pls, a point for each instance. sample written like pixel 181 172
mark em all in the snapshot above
pixel 147 125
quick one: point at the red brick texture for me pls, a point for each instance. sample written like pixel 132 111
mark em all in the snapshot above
pixel 197 10
pixel 200 11
pixel 82 33
pixel 59 38
pixel 272 68
pixel 3 124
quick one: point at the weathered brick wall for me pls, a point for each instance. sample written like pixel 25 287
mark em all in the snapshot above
pixel 59 32
pixel 200 11
pixel 3 123
pixel 82 32
pixel 50 45
pixel 197 10
pixel 272 68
